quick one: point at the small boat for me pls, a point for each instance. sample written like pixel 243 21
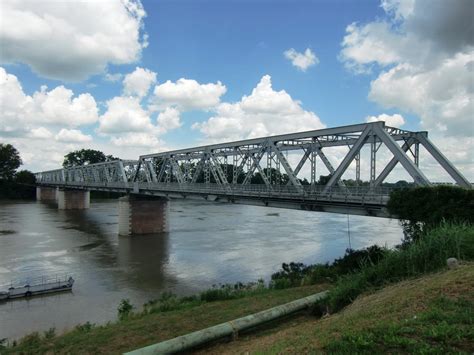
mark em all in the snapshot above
pixel 37 287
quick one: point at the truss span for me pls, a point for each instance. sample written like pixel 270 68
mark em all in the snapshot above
pixel 258 171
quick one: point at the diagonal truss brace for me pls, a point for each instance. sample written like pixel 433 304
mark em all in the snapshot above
pixel 348 159
pixel 400 155
pixel 443 161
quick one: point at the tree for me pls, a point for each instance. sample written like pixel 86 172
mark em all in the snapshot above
pixel 25 177
pixel 9 161
pixel 85 157
pixel 423 208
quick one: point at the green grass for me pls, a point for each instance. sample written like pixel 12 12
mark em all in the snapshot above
pixel 170 316
pixel 430 314
pixel 145 328
pixel 425 255
pixel 447 326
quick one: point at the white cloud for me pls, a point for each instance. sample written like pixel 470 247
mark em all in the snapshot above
pixel 424 74
pixel 40 133
pixel 71 40
pixel 55 107
pixel 124 114
pixel 138 82
pixel 113 77
pixel 147 140
pixel 188 94
pixel 264 112
pixel 72 136
pixel 168 119
pixel 422 55
pixel 301 60
pixel 395 120
pixel 442 97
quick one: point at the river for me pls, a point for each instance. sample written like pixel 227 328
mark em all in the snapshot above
pixel 208 243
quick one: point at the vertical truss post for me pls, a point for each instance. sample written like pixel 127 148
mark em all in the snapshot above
pixel 417 154
pixel 269 165
pixel 207 176
pixel 235 167
pixel 313 166
pixel 357 159
pixel 225 168
pixel 373 159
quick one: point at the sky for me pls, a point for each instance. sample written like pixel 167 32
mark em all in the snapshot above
pixel 130 78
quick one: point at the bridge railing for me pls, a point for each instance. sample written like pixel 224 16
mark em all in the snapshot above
pixel 363 194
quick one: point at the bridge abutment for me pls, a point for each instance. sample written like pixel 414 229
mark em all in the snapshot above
pixel 46 194
pixel 142 215
pixel 69 199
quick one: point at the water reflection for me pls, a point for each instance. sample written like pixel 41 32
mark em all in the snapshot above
pixel 144 259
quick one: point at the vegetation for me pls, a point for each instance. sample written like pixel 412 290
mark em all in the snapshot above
pixel 150 326
pixel 422 208
pixel 85 157
pixel 422 256
pixel 13 184
pixel 431 314
pixel 9 161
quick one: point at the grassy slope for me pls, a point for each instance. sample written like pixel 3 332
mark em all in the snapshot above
pixel 431 314
pixel 152 328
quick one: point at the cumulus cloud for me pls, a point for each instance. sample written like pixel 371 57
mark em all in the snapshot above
pixel 71 40
pixel 264 112
pixel 138 82
pixel 113 77
pixel 55 107
pixel 302 61
pixel 422 56
pixel 72 136
pixel 425 57
pixel 124 114
pixel 40 133
pixel 136 140
pixel 442 97
pixel 168 119
pixel 395 120
pixel 188 94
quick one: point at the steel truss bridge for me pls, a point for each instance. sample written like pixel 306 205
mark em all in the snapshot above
pixel 224 172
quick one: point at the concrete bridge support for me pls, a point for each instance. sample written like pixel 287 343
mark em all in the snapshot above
pixel 69 199
pixel 143 215
pixel 46 194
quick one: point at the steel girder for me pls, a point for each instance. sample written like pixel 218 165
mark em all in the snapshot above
pixel 211 164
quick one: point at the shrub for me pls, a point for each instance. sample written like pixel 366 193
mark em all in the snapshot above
pixel 422 256
pixel 296 274
pixel 425 207
pixel 86 327
pixel 50 333
pixel 124 309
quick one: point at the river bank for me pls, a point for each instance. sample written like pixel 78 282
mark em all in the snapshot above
pixel 208 243
pixel 447 296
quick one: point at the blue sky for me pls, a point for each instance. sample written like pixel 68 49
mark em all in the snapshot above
pixel 368 60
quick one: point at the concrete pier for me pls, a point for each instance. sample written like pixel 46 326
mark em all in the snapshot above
pixel 46 194
pixel 69 199
pixel 142 215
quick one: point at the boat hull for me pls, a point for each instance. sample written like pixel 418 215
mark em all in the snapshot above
pixel 36 290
